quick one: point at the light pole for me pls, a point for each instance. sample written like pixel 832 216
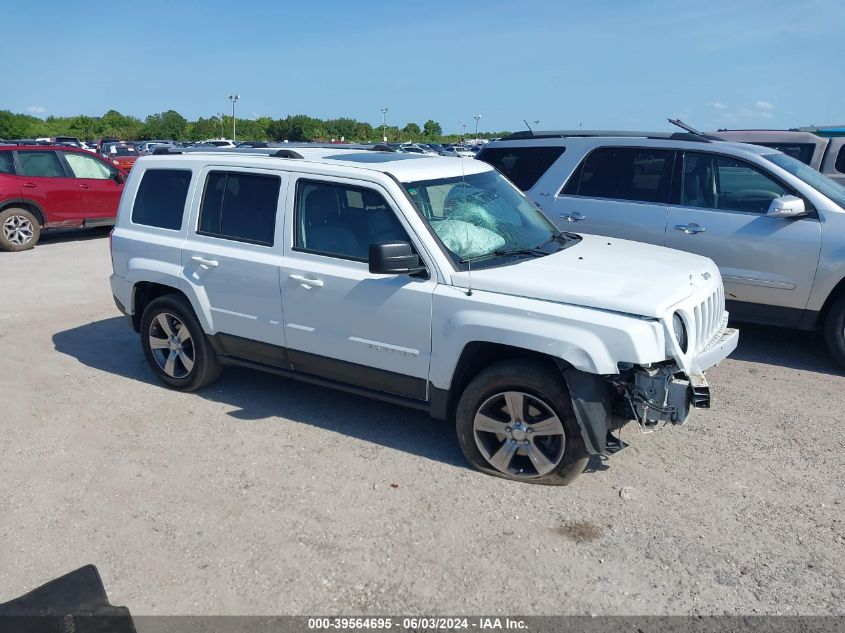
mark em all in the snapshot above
pixel 463 127
pixel 234 99
pixel 222 133
pixel 476 117
pixel 384 125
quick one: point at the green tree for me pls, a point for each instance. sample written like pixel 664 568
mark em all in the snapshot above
pixel 412 131
pixel 432 129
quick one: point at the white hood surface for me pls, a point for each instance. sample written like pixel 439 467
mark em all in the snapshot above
pixel 605 273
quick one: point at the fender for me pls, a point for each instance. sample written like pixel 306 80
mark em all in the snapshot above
pixel 590 340
pixel 11 202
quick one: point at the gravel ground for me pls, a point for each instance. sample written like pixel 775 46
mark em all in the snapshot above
pixel 266 496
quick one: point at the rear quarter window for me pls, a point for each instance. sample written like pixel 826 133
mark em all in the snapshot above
pixel 161 197
pixel 522 165
pixel 7 164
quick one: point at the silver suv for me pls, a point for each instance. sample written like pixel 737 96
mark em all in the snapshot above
pixel 774 226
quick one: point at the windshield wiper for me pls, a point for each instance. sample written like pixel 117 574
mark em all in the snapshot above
pixel 505 252
pixel 559 236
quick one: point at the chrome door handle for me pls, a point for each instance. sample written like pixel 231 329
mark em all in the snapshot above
pixel 202 261
pixel 572 217
pixel 689 229
pixel 307 283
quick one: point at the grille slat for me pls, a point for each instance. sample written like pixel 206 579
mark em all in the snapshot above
pixel 709 320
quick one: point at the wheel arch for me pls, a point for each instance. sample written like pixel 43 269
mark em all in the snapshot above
pixel 29 205
pixel 144 292
pixel 833 296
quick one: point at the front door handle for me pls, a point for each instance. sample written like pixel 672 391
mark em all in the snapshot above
pixel 202 261
pixel 572 217
pixel 29 185
pixel 84 186
pixel 305 282
pixel 689 229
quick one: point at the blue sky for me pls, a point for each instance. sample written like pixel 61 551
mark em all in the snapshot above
pixel 610 64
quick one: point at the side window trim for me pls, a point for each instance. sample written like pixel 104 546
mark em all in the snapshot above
pixel 358 185
pixel 811 210
pixel 664 192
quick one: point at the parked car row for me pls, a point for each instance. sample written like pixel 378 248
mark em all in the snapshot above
pixel 774 225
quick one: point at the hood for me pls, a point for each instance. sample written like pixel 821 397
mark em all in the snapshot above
pixel 605 273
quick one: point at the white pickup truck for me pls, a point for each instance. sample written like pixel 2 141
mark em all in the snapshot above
pixel 427 282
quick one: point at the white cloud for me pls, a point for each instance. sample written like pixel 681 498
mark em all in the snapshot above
pixel 37 109
pixel 717 105
pixel 764 105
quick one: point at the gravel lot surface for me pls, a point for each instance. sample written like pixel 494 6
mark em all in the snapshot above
pixel 265 496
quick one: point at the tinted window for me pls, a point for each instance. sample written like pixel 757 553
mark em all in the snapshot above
pixel 84 166
pixel 840 161
pixel 522 165
pixel 801 151
pixel 7 164
pixel 719 182
pixel 623 173
pixel 240 206
pixel 161 196
pixel 342 220
pixel 40 165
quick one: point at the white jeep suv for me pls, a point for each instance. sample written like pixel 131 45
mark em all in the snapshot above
pixel 430 283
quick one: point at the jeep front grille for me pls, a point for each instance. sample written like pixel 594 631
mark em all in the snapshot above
pixel 710 320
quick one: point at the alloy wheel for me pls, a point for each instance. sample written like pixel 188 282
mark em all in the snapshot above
pixel 18 230
pixel 519 434
pixel 171 345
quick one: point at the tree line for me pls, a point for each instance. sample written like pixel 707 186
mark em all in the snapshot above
pixel 171 125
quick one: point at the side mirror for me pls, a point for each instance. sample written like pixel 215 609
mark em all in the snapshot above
pixel 786 207
pixel 119 177
pixel 394 258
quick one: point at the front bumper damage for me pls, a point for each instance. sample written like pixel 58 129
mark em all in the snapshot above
pixel 653 396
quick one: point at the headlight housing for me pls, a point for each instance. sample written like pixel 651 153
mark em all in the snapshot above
pixel 680 330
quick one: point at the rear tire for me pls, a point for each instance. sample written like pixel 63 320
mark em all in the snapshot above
pixel 19 230
pixel 834 331
pixel 540 443
pixel 176 346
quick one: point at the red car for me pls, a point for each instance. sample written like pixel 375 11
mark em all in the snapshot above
pixel 46 187
pixel 120 155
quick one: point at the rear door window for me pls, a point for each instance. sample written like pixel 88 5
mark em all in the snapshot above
pixel 240 206
pixel 161 196
pixel 623 173
pixel 522 165
pixel 40 164
pixel 840 161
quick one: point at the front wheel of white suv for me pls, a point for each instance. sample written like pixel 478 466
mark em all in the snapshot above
pixel 175 345
pixel 515 420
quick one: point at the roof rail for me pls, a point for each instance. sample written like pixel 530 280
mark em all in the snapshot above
pixel 674 136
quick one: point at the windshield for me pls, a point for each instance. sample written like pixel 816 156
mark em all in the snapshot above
pixel 124 151
pixel 484 216
pixel 817 180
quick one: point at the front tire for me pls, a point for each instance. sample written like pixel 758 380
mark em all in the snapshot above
pixel 834 331
pixel 19 230
pixel 515 420
pixel 176 346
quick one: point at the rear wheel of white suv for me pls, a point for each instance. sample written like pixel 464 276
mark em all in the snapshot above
pixel 515 420
pixel 175 345
pixel 19 230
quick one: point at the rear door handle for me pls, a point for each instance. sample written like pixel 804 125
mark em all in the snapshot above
pixel 305 282
pixel 84 186
pixel 572 217
pixel 689 229
pixel 202 261
pixel 29 185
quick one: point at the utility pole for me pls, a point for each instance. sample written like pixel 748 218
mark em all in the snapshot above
pixel 234 99
pixel 384 125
